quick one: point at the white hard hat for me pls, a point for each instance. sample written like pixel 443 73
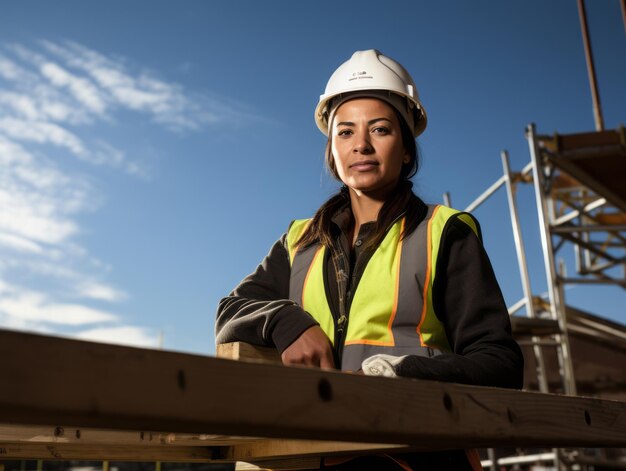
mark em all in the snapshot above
pixel 372 74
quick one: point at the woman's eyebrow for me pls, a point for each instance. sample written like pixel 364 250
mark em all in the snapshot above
pixel 375 120
pixel 370 122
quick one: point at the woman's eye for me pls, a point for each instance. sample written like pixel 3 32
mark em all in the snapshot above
pixel 380 130
pixel 344 132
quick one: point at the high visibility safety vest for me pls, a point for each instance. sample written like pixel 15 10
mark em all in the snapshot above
pixel 392 307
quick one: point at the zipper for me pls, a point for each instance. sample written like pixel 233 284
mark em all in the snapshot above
pixel 341 328
pixel 340 318
pixel 345 303
pixel 341 323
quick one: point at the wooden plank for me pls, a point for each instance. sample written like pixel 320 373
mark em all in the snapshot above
pixel 287 452
pixel 88 443
pixel 602 173
pixel 88 436
pixel 589 139
pixel 264 450
pixel 279 454
pixel 595 159
pixel 247 352
pixel 240 466
pixel 526 326
pixel 59 381
pixel 271 452
pixel 71 451
pixel 568 142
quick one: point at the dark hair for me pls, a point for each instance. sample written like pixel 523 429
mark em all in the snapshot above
pixel 401 200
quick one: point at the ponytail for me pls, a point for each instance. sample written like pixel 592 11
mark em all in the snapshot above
pixel 402 202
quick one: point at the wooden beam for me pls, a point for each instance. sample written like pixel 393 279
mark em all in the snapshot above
pixel 271 452
pixel 264 450
pixel 247 352
pixel 68 452
pixel 275 454
pixel 57 442
pixel 88 436
pixel 50 381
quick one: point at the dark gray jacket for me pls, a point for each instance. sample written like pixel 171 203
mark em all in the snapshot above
pixel 467 300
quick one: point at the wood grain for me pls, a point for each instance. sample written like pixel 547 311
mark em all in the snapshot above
pixel 55 381
pixel 247 352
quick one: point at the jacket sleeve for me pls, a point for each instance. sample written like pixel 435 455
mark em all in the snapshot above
pixel 258 310
pixel 469 303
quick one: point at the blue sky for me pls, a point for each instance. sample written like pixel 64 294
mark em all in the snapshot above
pixel 152 151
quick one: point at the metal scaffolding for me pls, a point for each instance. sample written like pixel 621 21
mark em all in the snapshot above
pixel 579 182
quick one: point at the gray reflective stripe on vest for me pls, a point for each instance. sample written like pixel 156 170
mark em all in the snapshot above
pixel 353 355
pixel 413 267
pixel 299 269
pixel 410 304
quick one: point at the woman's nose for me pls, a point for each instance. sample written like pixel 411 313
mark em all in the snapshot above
pixel 363 145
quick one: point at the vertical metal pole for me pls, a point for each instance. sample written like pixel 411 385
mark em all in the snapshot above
pixel 581 265
pixel 446 199
pixel 557 304
pixel 580 258
pixel 492 457
pixel 523 268
pixel 583 255
pixel 591 70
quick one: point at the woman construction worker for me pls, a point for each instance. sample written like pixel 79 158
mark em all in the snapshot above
pixel 377 281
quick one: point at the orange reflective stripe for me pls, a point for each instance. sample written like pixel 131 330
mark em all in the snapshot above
pixel 394 309
pixel 430 329
pixel 425 295
pixel 375 298
pixel 387 320
pixel 397 284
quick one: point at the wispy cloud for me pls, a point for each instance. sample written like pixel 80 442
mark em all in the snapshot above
pixel 32 307
pixel 95 290
pixel 124 335
pixel 82 89
pixel 52 97
pixel 41 132
pixel 37 198
pixel 23 309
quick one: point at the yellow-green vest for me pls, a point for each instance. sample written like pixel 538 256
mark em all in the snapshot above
pixel 392 308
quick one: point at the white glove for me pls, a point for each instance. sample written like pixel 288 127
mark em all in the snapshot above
pixel 381 365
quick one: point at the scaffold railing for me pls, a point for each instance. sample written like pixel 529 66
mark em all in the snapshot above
pixel 579 183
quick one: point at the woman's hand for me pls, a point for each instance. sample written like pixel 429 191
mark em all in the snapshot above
pixel 312 348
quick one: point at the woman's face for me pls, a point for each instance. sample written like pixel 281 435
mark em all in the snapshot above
pixel 367 146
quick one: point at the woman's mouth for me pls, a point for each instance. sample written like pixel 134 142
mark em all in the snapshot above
pixel 364 165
